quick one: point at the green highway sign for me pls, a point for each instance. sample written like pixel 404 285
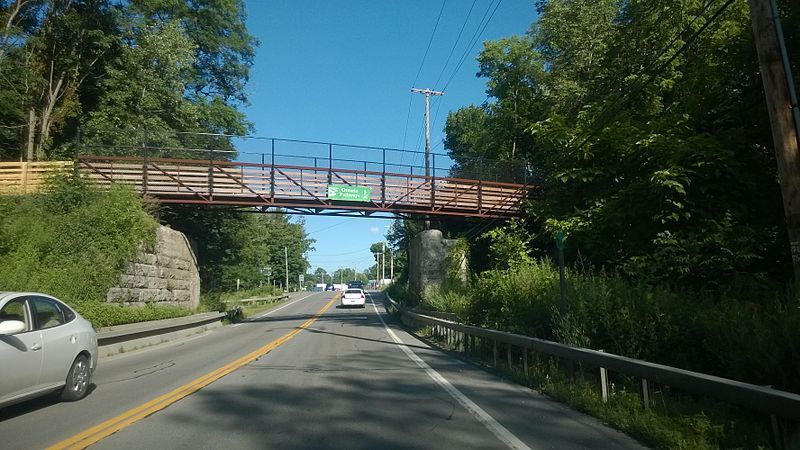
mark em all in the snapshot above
pixel 560 240
pixel 348 193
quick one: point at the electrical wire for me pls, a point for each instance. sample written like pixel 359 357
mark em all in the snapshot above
pixel 478 32
pixel 608 113
pixel 331 226
pixel 416 77
pixel 455 44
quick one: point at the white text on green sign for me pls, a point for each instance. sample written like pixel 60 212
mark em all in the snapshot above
pixel 348 193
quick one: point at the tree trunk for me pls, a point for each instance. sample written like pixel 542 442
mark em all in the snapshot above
pixel 31 134
pixel 51 97
pixel 9 23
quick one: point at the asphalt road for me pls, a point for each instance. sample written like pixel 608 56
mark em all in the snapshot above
pixel 351 379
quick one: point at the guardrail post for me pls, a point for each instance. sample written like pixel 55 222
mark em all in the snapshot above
pixel 645 394
pixel 508 355
pixel 525 361
pixel 776 433
pixel 494 352
pixel 604 382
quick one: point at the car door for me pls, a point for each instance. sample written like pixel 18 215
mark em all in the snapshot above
pixel 21 354
pixel 58 340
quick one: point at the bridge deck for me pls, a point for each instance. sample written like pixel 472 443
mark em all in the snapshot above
pixel 183 181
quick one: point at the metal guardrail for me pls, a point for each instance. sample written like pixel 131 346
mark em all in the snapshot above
pixel 257 300
pixel 122 333
pixel 758 398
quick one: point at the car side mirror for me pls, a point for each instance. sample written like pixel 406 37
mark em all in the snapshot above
pixel 8 327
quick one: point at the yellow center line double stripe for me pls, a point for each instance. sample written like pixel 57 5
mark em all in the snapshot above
pixel 111 426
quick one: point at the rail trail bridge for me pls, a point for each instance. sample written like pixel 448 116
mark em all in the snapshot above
pixel 303 177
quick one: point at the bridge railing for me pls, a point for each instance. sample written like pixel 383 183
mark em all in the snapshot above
pixel 757 398
pixel 256 184
pixel 292 152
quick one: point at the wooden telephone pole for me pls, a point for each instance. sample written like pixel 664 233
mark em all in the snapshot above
pixel 427 93
pixel 783 114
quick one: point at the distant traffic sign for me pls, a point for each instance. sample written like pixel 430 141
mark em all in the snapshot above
pixel 348 193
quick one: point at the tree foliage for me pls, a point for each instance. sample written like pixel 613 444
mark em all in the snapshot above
pixel 232 245
pixel 653 144
pixel 119 68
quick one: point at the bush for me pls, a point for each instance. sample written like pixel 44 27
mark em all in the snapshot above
pixel 108 314
pixel 72 241
pixel 751 341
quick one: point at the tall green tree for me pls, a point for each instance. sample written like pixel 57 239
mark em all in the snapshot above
pixel 51 54
pixel 234 245
pixel 224 52
pixel 652 141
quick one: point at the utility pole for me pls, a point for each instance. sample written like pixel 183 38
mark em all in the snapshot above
pixel 428 94
pixel 383 261
pixel 783 114
pixel 391 270
pixel 286 263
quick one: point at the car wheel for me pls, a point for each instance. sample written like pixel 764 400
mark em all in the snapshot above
pixel 78 380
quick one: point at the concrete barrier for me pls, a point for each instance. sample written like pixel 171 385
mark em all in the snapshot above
pixel 125 338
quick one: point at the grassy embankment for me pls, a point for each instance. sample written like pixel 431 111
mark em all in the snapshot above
pixel 73 241
pixel 749 336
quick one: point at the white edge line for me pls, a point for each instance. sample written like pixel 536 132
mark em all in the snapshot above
pixel 483 417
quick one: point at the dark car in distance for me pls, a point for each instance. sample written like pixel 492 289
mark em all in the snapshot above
pixel 355 285
pixel 329 287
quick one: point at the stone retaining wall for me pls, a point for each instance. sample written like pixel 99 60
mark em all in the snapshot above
pixel 168 275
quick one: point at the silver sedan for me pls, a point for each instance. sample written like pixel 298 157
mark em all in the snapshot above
pixel 45 346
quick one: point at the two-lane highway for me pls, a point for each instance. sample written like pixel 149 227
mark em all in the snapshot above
pixel 307 375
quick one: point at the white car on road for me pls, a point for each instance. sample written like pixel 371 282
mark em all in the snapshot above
pixel 45 346
pixel 353 297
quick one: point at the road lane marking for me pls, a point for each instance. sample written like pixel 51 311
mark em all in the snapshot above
pixel 284 306
pixel 483 417
pixel 98 432
pixel 276 309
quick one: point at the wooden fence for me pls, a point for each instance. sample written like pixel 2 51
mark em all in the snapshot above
pixel 26 177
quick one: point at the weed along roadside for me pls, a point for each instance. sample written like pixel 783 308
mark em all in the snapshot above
pixel 657 325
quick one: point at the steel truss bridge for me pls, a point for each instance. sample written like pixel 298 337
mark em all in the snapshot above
pixel 297 176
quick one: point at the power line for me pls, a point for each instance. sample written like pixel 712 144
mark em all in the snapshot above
pixel 416 78
pixel 455 44
pixel 329 227
pixel 608 114
pixel 430 41
pixel 478 32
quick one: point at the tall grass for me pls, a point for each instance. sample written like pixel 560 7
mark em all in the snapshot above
pixel 73 241
pixel 752 340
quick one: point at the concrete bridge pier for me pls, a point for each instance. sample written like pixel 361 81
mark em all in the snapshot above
pixel 429 255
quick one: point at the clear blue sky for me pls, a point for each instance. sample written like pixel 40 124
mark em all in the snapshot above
pixel 341 71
